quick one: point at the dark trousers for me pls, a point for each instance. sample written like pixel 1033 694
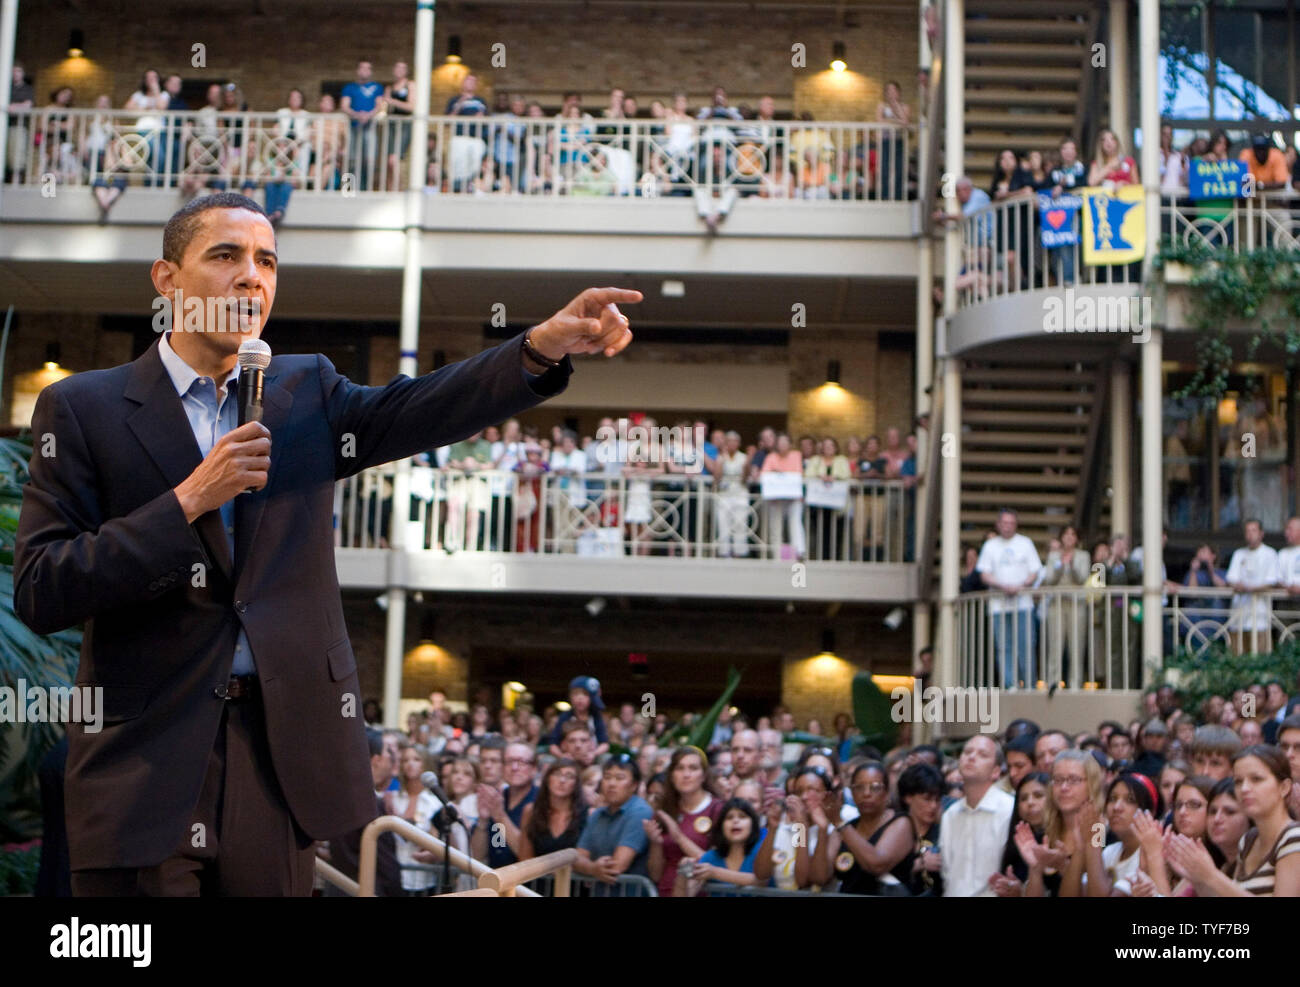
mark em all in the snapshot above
pixel 241 841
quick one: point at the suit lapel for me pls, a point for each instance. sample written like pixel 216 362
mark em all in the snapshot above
pixel 249 508
pixel 160 424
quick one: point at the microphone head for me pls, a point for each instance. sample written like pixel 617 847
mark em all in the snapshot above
pixel 254 354
pixel 429 780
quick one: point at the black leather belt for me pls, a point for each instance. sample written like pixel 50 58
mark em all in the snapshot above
pixel 239 689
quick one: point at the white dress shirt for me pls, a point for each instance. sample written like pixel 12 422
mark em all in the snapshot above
pixel 1255 568
pixel 971 841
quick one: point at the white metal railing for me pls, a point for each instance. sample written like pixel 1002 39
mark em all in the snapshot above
pixel 1090 637
pixel 467 155
pixel 616 515
pixel 1002 254
pixel 1002 250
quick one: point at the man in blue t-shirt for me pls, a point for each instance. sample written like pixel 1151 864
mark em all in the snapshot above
pixel 614 840
pixel 361 102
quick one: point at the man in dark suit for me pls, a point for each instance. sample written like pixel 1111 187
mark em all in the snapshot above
pixel 232 735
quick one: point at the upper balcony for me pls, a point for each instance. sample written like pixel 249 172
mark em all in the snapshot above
pixel 634 533
pixel 502 193
pixel 1013 288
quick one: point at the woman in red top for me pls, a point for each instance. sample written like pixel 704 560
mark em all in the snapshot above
pixel 1111 165
pixel 683 826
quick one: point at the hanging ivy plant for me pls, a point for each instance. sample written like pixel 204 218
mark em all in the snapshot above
pixel 1260 286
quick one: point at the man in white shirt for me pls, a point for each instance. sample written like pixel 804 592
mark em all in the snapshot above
pixel 1288 559
pixel 1253 569
pixel 569 463
pixel 1009 564
pixel 973 831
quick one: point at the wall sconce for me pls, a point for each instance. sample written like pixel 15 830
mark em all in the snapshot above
pixel 52 353
pixel 76 43
pixel 453 49
pixel 833 372
pixel 837 57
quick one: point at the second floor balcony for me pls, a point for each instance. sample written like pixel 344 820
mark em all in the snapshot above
pixel 1012 286
pixel 637 534
pixel 708 195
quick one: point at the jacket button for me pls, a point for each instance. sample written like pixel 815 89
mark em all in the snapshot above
pixel 221 691
pixel 241 606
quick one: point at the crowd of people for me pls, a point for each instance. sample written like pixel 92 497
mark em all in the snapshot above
pixel 716 151
pixel 1005 241
pixel 700 489
pixel 1191 802
pixel 1081 635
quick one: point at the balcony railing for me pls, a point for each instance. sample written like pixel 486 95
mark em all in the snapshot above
pixel 1002 251
pixel 1089 638
pixel 537 156
pixel 615 516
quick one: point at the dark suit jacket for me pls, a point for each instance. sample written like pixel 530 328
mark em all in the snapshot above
pixel 102 539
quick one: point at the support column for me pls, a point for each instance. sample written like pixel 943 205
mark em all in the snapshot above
pixel 409 335
pixel 954 73
pixel 1121 453
pixel 8 30
pixel 1117 74
pixel 1152 397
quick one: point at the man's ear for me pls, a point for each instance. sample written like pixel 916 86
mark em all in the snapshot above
pixel 163 274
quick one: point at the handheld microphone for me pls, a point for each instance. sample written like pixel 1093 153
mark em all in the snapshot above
pixel 449 812
pixel 254 358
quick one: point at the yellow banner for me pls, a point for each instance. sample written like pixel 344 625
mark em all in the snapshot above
pixel 1114 225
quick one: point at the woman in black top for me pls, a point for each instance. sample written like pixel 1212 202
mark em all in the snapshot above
pixel 1031 809
pixel 554 820
pixel 861 859
pixel 398 103
pixel 909 842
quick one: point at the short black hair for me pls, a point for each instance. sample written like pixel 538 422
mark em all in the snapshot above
pixel 919 779
pixel 184 224
pixel 375 741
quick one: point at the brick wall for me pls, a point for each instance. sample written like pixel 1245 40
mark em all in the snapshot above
pixel 649 51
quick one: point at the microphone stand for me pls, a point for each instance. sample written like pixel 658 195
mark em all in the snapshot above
pixel 444 819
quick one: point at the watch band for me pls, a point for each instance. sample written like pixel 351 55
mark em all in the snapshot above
pixel 535 355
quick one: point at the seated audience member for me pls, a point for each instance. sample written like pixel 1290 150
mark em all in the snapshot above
pixel 1213 749
pixel 1153 743
pixel 584 696
pixel 1288 742
pixel 1119 748
pixel 685 818
pixel 1047 746
pixel 555 819
pixel 1191 817
pixel 1268 858
pixel 907 844
pixel 1019 754
pixel 1171 776
pixel 1032 794
pixel 973 830
pixel 614 841
pixel 499 841
pixel 800 840
pixel 730 857
pixel 578 744
pixel 1110 871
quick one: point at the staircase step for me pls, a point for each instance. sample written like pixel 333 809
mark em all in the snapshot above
pixel 1032 460
pixel 1005 96
pixel 1024 27
pixel 1026 375
pixel 991 478
pixel 1022 440
pixel 1010 118
pixel 1027 519
pixel 1068 399
pixel 1035 419
pixel 994 141
pixel 1017 8
pixel 1017 499
pixel 1019 73
pixel 1021 52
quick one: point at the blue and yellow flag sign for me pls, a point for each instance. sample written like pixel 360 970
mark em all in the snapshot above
pixel 1114 225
